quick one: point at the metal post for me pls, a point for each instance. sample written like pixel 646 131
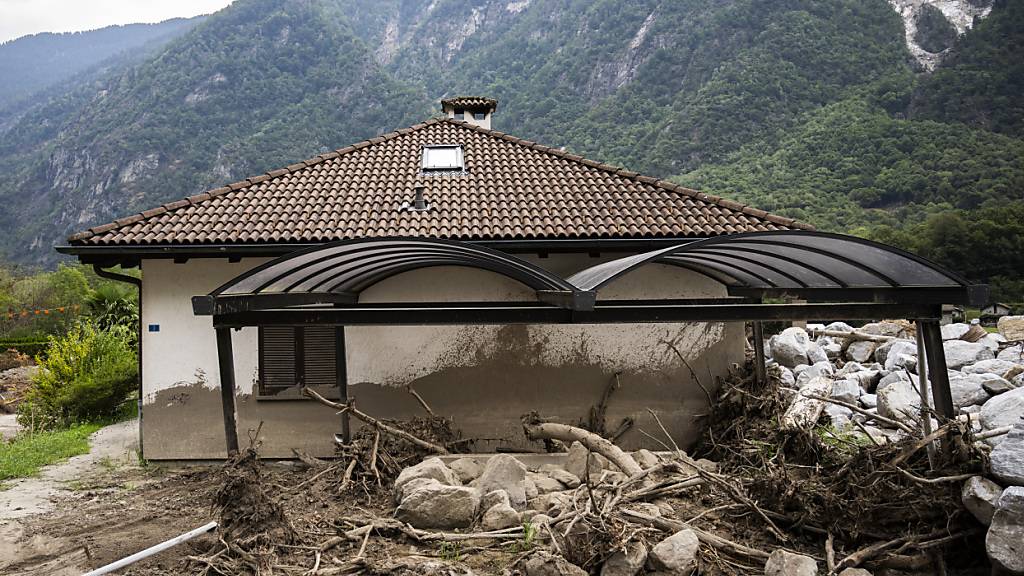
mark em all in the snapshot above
pixel 760 371
pixel 341 374
pixel 942 397
pixel 226 362
pixel 922 383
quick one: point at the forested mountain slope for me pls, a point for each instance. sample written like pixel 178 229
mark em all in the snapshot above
pixel 813 108
pixel 34 62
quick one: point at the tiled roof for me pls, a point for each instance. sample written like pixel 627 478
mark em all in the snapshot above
pixel 471 102
pixel 511 189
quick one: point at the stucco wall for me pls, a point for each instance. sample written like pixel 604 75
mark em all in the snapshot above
pixel 484 377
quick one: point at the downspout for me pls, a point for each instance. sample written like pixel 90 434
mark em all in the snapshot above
pixel 137 282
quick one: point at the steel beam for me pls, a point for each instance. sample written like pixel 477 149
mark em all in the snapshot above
pixel 760 370
pixel 603 313
pixel 226 363
pixel 942 397
pixel 341 375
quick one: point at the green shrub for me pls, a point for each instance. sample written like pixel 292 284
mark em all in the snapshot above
pixel 86 375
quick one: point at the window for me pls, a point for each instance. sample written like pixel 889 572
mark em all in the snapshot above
pixel 289 356
pixel 479 115
pixel 460 114
pixel 442 157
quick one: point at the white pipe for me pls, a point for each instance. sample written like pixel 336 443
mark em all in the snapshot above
pixel 153 550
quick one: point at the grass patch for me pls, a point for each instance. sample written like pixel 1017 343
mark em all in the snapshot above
pixel 25 454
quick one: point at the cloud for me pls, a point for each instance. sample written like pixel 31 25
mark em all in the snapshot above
pixel 21 17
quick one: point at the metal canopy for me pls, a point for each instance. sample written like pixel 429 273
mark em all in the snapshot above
pixel 813 266
pixel 336 273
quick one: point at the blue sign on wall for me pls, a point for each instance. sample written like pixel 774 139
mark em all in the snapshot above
pixel 154 327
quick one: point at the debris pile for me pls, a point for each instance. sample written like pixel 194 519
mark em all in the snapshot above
pixel 15 382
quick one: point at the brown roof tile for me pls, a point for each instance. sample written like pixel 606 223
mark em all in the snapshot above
pixel 510 190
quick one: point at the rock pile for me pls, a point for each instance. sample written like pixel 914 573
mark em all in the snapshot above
pixel 875 369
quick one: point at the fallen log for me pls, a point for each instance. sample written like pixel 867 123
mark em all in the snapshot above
pixel 536 430
pixel 806 408
pixel 855 335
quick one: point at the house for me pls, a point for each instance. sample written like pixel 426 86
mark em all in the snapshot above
pixel 991 313
pixel 448 178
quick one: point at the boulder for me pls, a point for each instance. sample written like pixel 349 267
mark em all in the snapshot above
pixel 868 379
pixel 855 572
pixel 899 355
pixel 1007 409
pixel 786 377
pixel 530 488
pixel 861 350
pixel 432 504
pixel 992 341
pixel 503 472
pixel 960 353
pixel 883 329
pixel 1011 327
pixel 833 350
pixel 995 385
pixel 576 463
pixel 546 483
pixel 868 401
pixel 846 390
pixel 811 372
pixel 849 368
pixel 1005 540
pixel 432 468
pixel 899 400
pixel 646 459
pixel 676 554
pixel 789 347
pixel 628 562
pixel 839 327
pixel 839 416
pixel 547 564
pixel 493 498
pixel 954 331
pixel 980 496
pixel 467 469
pixel 967 389
pixel 991 366
pixel 1007 459
pixel 568 479
pixel 499 516
pixel 1013 353
pixel 782 563
pixel 882 351
pixel 816 353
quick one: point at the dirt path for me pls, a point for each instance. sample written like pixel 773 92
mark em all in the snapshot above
pixel 111 447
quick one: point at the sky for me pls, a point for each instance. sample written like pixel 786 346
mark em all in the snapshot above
pixel 21 17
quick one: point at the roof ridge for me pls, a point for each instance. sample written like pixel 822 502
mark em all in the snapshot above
pixel 637 177
pixel 203 196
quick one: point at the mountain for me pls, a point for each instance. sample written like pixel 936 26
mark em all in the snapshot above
pixel 32 63
pixel 822 109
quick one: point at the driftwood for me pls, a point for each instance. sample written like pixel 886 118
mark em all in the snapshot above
pixel 350 409
pixel 712 540
pixel 855 335
pixel 553 431
pixel 806 407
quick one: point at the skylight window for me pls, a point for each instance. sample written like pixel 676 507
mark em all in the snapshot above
pixel 442 157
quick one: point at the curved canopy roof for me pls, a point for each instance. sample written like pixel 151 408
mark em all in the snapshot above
pixel 814 266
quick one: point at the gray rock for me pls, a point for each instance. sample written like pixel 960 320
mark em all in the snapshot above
pixel 811 372
pixel 991 366
pixel 500 516
pixel 980 496
pixel 891 378
pixel 1005 540
pixel 568 479
pixel 435 505
pixel 493 498
pixel 995 385
pixel 782 563
pixel 839 327
pixel 868 379
pixel 849 368
pixel 967 389
pixel 628 562
pixel 467 469
pixel 503 472
pixel 855 572
pixel 1007 459
pixel 789 347
pixel 861 350
pixel 901 354
pixel 786 377
pixel 645 458
pixel 899 400
pixel 868 400
pixel 576 463
pixel 839 416
pixel 677 553
pixel 1013 353
pixel 846 390
pixel 816 353
pixel 1011 327
pixel 530 488
pixel 547 564
pixel 960 353
pixel 433 468
pixel 833 350
pixel 882 328
pixel 992 341
pixel 1007 409
pixel 882 351
pixel 954 331
pixel 546 483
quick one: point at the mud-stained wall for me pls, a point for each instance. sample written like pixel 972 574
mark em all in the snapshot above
pixel 484 377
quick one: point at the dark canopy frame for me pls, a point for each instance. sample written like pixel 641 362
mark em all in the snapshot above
pixel 821 276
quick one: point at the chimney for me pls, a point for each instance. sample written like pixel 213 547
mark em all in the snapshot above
pixel 475 110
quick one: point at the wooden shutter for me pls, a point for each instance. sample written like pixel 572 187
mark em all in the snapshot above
pixel 277 359
pixel 319 352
